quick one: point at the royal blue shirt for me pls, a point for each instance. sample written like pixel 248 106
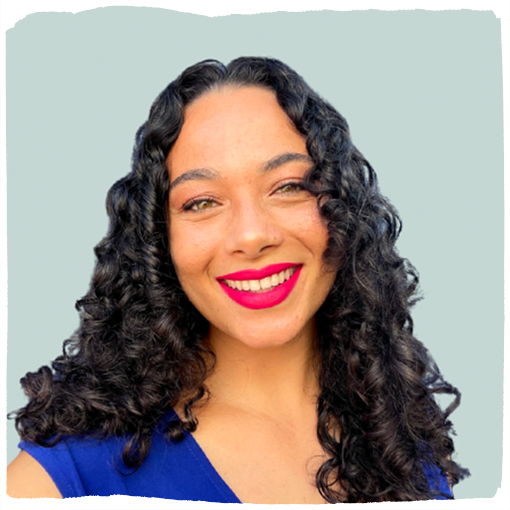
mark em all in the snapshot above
pixel 85 466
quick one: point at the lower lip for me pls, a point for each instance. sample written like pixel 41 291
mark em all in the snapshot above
pixel 260 300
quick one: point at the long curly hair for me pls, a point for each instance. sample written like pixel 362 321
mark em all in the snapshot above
pixel 139 349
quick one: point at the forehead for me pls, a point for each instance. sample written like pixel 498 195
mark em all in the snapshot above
pixel 230 126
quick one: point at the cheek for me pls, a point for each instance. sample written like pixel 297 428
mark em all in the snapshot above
pixel 190 250
pixel 311 229
pixel 309 225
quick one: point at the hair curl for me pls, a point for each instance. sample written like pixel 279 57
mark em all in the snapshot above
pixel 139 348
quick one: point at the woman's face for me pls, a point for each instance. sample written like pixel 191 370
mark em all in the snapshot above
pixel 246 240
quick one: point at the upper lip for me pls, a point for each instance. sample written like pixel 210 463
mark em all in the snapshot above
pixel 258 274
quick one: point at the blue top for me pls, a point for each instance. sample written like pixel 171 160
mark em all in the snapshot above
pixel 85 466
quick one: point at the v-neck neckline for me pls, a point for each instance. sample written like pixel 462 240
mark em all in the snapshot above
pixel 205 464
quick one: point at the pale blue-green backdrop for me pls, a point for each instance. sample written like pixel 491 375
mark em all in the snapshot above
pixel 422 92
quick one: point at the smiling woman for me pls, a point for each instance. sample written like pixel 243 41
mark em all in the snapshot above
pixel 246 336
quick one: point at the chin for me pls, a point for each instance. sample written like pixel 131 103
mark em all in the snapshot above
pixel 260 336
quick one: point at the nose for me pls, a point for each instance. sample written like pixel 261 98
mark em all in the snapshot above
pixel 252 230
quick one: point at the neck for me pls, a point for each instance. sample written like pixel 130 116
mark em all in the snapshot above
pixel 278 380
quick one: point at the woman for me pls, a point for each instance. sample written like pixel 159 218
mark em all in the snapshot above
pixel 246 336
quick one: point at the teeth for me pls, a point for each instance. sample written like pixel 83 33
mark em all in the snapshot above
pixel 264 284
pixel 254 285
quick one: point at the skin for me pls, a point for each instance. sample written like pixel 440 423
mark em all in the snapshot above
pixel 259 426
pixel 244 209
pixel 26 478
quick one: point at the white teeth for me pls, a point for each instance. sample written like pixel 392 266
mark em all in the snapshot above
pixel 264 284
pixel 254 284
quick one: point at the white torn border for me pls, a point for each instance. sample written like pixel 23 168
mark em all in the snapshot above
pixel 12 11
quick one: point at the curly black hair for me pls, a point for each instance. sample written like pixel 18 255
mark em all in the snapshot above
pixel 139 349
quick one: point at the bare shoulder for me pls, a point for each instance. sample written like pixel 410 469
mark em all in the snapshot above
pixel 26 478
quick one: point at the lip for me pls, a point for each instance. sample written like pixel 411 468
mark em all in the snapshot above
pixel 257 274
pixel 260 300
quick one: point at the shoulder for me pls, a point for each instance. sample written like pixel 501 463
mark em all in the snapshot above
pixel 77 465
pixel 84 465
pixel 26 478
pixel 91 465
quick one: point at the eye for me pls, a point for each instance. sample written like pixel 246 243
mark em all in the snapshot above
pixel 290 187
pixel 199 205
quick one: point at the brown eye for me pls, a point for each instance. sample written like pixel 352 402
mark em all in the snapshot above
pixel 290 187
pixel 203 204
pixel 200 205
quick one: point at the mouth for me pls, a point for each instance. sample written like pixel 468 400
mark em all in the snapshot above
pixel 263 285
pixel 264 288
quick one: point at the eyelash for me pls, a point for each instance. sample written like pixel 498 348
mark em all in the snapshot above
pixel 192 204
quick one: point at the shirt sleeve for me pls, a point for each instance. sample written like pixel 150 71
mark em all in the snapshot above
pixel 59 464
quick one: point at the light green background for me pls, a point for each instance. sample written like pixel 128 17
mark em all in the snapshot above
pixel 422 92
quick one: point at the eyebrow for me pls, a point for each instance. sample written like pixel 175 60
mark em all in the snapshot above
pixel 282 159
pixel 198 174
pixel 207 174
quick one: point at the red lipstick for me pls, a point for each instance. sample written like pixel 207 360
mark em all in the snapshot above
pixel 264 299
